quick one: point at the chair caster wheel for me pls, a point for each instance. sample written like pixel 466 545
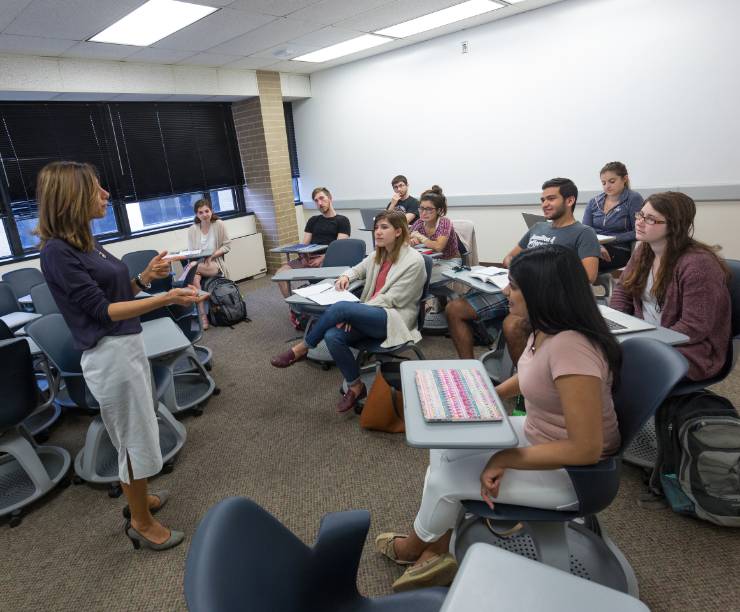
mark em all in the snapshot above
pixel 168 467
pixel 15 518
pixel 358 408
pixel 217 391
pixel 76 480
pixel 42 437
pixel 64 483
pixel 208 366
pixel 197 411
pixel 325 366
pixel 115 491
pixel 645 474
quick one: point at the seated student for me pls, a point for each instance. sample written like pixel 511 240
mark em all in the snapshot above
pixel 402 201
pixel 320 229
pixel 566 376
pixel 434 230
pixel 388 309
pixel 612 213
pixel 558 199
pixel 208 233
pixel 678 282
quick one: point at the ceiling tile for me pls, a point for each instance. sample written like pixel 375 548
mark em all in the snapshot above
pixel 325 37
pixel 159 56
pixel 279 8
pixel 72 19
pixel 267 36
pixel 10 10
pixel 251 63
pixel 296 67
pixel 216 28
pixel 33 45
pixel 216 3
pixel 100 51
pixel 328 12
pixel 210 59
pixel 283 52
pixel 394 13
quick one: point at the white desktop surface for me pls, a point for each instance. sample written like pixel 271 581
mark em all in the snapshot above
pixel 162 336
pixel 421 434
pixel 300 274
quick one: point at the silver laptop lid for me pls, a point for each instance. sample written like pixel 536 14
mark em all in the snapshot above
pixel 368 216
pixel 621 323
pixel 531 219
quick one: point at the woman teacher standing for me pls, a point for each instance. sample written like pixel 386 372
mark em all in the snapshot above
pixel 95 295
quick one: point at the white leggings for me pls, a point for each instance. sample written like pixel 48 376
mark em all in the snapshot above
pixel 454 475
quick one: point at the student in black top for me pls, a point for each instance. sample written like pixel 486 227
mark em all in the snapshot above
pixel 401 199
pixel 320 229
pixel 95 295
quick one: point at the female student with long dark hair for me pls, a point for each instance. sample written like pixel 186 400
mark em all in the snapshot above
pixel 394 278
pixel 566 375
pixel 95 295
pixel 678 282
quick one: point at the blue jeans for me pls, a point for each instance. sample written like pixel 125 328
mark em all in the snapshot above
pixel 366 322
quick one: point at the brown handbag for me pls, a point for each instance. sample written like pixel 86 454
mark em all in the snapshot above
pixel 383 410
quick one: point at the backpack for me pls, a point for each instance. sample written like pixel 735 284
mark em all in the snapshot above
pixel 227 304
pixel 698 462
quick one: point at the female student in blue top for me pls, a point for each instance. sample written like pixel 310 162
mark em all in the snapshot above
pixel 95 295
pixel 566 375
pixel 394 278
pixel 612 213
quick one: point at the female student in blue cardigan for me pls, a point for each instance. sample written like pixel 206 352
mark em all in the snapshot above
pixel 394 277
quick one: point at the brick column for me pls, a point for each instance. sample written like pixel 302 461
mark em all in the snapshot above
pixel 263 145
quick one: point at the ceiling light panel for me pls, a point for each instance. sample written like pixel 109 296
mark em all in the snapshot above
pixel 440 18
pixel 153 21
pixel 366 41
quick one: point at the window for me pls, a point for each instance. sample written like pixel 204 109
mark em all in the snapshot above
pixel 5 250
pixel 292 151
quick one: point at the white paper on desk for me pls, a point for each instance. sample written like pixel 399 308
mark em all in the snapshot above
pixel 325 294
pixel 182 254
pixel 491 274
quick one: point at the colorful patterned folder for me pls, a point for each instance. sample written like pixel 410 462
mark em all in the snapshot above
pixel 456 395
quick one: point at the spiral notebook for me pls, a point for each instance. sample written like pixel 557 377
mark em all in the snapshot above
pixel 456 395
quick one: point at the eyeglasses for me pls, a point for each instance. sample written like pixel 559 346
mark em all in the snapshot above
pixel 426 208
pixel 650 220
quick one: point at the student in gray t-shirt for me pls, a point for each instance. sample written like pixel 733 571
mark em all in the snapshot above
pixel 581 238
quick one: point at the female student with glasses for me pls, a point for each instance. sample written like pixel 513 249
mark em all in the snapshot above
pixel 677 282
pixel 433 229
pixel 394 277
pixel 566 376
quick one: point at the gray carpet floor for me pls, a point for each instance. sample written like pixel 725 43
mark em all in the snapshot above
pixel 273 435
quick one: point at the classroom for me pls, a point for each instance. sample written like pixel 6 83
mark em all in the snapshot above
pixel 429 169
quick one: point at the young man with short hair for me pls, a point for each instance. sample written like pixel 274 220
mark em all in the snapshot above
pixel 401 199
pixel 320 229
pixel 558 200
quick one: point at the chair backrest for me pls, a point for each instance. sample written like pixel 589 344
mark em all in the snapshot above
pixel 20 394
pixel 8 301
pixel 53 336
pixel 347 252
pixel 137 261
pixel 43 301
pixel 243 558
pixel 428 263
pixel 5 332
pixel 467 244
pixel 22 280
pixel 734 266
pixel 650 370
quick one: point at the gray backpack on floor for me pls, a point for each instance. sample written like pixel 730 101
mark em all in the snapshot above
pixel 698 464
pixel 227 307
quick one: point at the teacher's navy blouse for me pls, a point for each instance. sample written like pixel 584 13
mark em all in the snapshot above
pixel 83 286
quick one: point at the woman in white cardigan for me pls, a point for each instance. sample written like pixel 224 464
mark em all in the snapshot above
pixel 394 278
pixel 208 233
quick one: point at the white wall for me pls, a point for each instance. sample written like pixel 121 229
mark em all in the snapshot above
pixel 555 91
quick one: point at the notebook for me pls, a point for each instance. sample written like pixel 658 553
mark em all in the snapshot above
pixel 325 294
pixel 621 323
pixel 491 274
pixel 456 395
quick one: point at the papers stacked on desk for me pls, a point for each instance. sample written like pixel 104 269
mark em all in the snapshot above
pixel 183 254
pixel 491 274
pixel 325 294
pixel 298 247
pixel 456 395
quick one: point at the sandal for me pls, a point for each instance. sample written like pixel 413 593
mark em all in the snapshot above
pixel 437 571
pixel 384 545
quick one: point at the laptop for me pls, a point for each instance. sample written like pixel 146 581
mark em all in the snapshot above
pixel 531 219
pixel 621 323
pixel 368 217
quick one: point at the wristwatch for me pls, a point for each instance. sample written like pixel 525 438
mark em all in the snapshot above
pixel 140 282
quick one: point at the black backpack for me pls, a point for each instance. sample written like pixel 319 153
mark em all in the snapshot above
pixel 227 304
pixel 698 462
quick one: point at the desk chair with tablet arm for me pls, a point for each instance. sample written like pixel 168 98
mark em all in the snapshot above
pixel 97 461
pixel 137 261
pixel 573 540
pixel 27 470
pixel 22 280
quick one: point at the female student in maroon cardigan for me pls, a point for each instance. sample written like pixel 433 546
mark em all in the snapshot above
pixel 678 282
pixel 95 295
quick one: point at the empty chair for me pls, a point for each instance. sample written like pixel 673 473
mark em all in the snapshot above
pixel 43 302
pixel 27 471
pixel 22 280
pixel 466 241
pixel 97 461
pixel 242 558
pixel 137 261
pixel 348 252
pixel 551 536
pixel 10 311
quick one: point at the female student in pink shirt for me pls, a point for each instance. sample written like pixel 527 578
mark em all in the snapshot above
pixel 566 375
